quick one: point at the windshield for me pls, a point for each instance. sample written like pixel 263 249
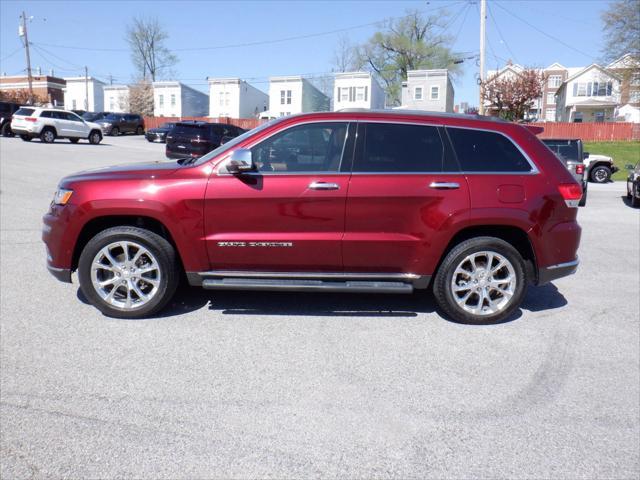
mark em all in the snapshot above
pixel 232 143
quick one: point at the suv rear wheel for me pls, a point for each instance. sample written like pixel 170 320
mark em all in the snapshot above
pixel 115 131
pixel 95 137
pixel 140 131
pixel 600 174
pixel 25 138
pixel 128 272
pixel 6 130
pixel 48 135
pixel 481 280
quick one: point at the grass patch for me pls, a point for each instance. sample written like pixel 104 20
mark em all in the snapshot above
pixel 623 153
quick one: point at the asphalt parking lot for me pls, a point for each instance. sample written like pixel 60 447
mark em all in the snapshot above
pixel 239 385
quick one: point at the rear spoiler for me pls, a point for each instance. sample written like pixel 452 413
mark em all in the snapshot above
pixel 534 129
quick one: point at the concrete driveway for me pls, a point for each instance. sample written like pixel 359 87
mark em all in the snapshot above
pixel 239 385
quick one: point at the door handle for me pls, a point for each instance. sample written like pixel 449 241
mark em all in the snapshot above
pixel 444 185
pixel 323 186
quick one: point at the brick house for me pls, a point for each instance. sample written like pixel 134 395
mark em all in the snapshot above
pixel 44 86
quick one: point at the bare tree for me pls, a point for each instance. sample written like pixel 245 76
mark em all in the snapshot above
pixel 141 98
pixel 150 56
pixel 346 57
pixel 408 43
pixel 621 26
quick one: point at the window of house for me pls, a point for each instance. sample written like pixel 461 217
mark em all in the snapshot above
pixel 161 100
pixel 435 92
pixel 315 147
pixel 360 94
pixel 483 151
pixel 73 105
pixel 344 94
pixel 227 98
pixel 635 79
pixel 173 100
pixel 634 97
pixel 599 116
pixel 221 99
pixel 285 97
pixel 550 114
pixel 112 104
pixel 554 81
pixel 417 93
pixel 579 89
pixel 389 147
pixel 551 98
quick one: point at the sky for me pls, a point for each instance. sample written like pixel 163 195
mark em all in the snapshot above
pixel 210 37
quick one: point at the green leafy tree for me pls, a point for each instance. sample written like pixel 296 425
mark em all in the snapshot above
pixel 411 42
pixel 621 26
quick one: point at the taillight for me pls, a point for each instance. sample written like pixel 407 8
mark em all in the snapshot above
pixel 580 168
pixel 571 193
pixel 31 119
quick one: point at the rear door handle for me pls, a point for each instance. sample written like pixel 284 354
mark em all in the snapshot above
pixel 323 186
pixel 444 185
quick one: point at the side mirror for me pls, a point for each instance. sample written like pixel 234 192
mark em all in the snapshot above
pixel 585 155
pixel 225 139
pixel 240 162
pixel 629 167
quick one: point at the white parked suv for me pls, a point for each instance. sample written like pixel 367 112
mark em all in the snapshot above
pixel 50 123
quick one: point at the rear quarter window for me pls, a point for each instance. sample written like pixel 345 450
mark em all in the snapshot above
pixel 484 151
pixel 25 111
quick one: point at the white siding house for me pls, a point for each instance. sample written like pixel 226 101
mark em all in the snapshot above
pixel 116 98
pixel 429 90
pixel 75 94
pixel 357 90
pixel 235 98
pixel 175 99
pixel 290 95
pixel 590 95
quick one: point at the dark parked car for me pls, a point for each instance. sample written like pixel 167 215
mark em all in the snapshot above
pixel 571 154
pixel 117 123
pixel 355 201
pixel 94 116
pixel 7 109
pixel 159 134
pixel 633 185
pixel 194 139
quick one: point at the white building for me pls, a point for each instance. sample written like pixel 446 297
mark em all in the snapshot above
pixel 175 99
pixel 84 94
pixel 116 98
pixel 429 90
pixel 357 90
pixel 235 98
pixel 290 95
pixel 591 95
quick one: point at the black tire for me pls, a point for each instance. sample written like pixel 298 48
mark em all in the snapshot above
pixel 95 137
pixel 157 245
pixel 442 283
pixel 635 201
pixel 600 174
pixel 74 140
pixel 140 130
pixel 6 130
pixel 115 131
pixel 48 135
pixel 25 138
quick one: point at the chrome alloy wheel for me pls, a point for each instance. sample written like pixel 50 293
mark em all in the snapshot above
pixel 49 136
pixel 125 274
pixel 600 175
pixel 483 283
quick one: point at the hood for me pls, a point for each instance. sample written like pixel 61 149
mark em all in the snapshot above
pixel 131 171
pixel 105 120
pixel 92 124
pixel 595 156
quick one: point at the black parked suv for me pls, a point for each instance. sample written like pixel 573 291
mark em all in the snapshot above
pixel 194 139
pixel 94 116
pixel 6 110
pixel 160 133
pixel 571 153
pixel 117 123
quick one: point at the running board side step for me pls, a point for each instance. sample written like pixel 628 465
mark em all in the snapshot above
pixel 302 285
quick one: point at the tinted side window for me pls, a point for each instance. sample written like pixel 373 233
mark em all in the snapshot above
pixel 73 117
pixel 59 115
pixel 399 148
pixel 482 151
pixel 315 147
pixel 46 114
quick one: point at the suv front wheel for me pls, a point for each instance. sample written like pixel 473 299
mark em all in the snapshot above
pixel 481 280
pixel 48 135
pixel 600 174
pixel 128 272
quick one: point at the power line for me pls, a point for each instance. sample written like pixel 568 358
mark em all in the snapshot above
pixel 495 24
pixel 11 54
pixel 544 33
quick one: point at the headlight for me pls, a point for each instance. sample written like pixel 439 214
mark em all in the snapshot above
pixel 62 196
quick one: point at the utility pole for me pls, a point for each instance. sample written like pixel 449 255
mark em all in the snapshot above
pixel 483 18
pixel 86 88
pixel 22 32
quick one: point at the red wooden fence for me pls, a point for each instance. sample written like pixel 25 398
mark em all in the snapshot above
pixel 591 132
pixel 588 132
pixel 246 123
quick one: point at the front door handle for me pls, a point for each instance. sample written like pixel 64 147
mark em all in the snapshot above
pixel 444 185
pixel 323 186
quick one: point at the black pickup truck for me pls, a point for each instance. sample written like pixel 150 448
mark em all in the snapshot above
pixel 571 153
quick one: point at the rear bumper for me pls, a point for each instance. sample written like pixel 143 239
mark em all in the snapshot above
pixel 62 274
pixel 553 272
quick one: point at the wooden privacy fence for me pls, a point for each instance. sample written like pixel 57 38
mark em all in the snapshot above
pixel 591 132
pixel 588 132
pixel 246 123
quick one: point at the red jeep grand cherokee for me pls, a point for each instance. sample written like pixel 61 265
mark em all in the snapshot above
pixel 351 201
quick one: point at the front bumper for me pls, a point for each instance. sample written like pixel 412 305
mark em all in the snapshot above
pixel 614 169
pixel 56 236
pixel 62 274
pixel 553 272
pixel 156 137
